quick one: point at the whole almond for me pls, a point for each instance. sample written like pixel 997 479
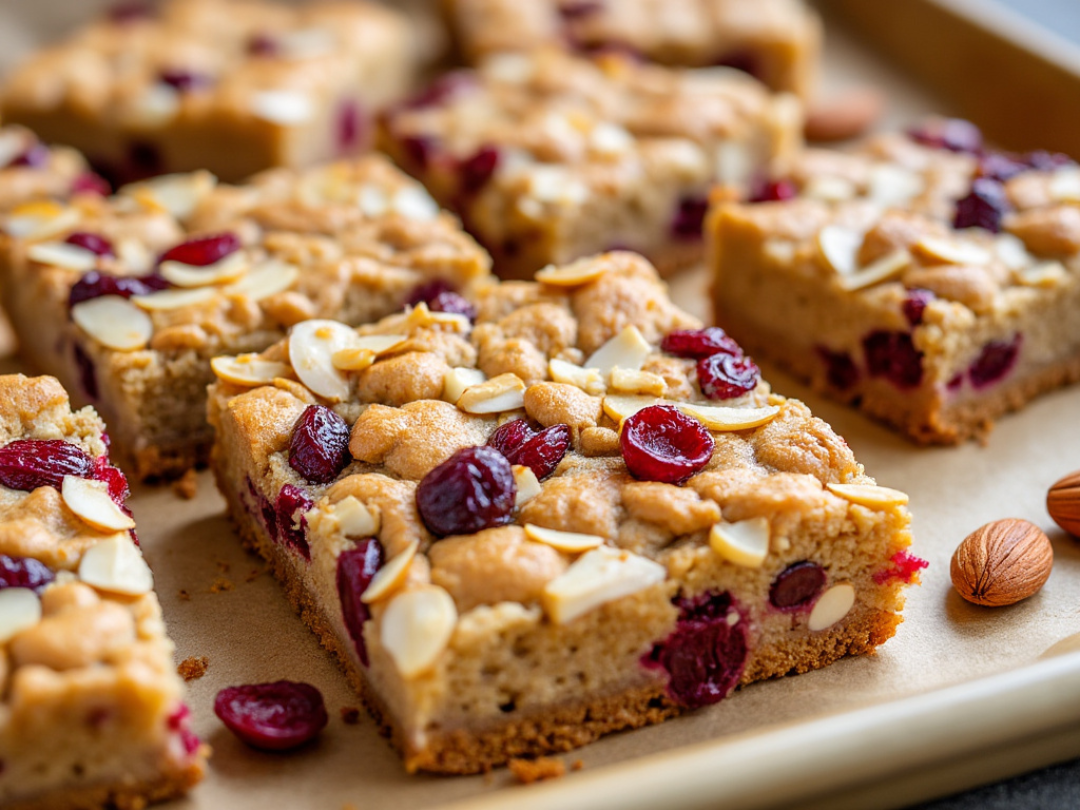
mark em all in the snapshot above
pixel 848 115
pixel 1063 503
pixel 1002 562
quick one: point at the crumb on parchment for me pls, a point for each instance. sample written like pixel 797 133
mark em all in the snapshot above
pixel 528 771
pixel 193 667
pixel 187 486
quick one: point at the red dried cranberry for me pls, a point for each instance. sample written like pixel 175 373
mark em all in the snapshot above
pixel 419 151
pixel 905 567
pixel 477 169
pixel 472 490
pixel 746 61
pixel 355 570
pixel 24 572
pixel 577 9
pixel 114 478
pixel 893 355
pixel 840 370
pixel 700 343
pixel 983 207
pixel 184 81
pixel 27 464
pixel 91 183
pixel 956 383
pixel 275 716
pixel 263 44
pixel 96 244
pixel 1001 166
pixel 765 190
pixel 440 296
pixel 689 218
pixel 954 134
pixel 290 507
pixel 706 653
pixel 129 11
pixel 661 443
pixel 995 361
pixel 350 126
pixel 797 586
pixel 319 445
pixel 35 157
pixel 914 305
pixel 723 376
pixel 540 451
pixel 203 251
pixel 180 723
pixel 95 284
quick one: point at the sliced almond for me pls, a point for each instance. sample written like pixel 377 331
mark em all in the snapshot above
pixel 1043 274
pixel 40 220
pixel 391 576
pixel 365 351
pixel 745 542
pixel 637 382
pixel 164 300
pixel 90 500
pixel 840 248
pixel 567 542
pixel 885 268
pixel 623 407
pixel 114 321
pixel 735 162
pixel 505 392
pixel 414 203
pixel 627 350
pixel 831 607
pixel 416 627
pixel 248 369
pixel 829 188
pixel 312 346
pixel 228 269
pixel 61 254
pixel 115 565
pixel 599 576
pixel 717 417
pixel 286 108
pixel 891 185
pixel 355 518
pixel 1065 185
pixel 176 194
pixel 589 380
pixel 20 609
pixel 263 280
pixel 951 251
pixel 459 379
pixel 1012 251
pixel 574 274
pixel 869 495
pixel 528 486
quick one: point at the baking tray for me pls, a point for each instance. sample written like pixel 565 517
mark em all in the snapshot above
pixel 958 698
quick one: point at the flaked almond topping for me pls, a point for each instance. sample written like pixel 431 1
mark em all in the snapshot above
pixel 745 542
pixel 623 407
pixel 1065 185
pixel 155 107
pixel 419 317
pixel 637 382
pixel 1043 274
pixel 829 188
pixel 40 220
pixel 885 268
pixel 263 280
pixel 286 108
pixel 574 274
pixel 312 346
pixel 831 607
pixel 505 392
pixel 951 251
pixel 353 359
pixel 89 499
pixel 627 350
pixel 61 254
pixel 459 379
pixel 610 139
pixel 894 185
pixel 306 43
pixel 176 194
pixel 415 204
pixel 597 577
pixel 567 542
pixel 735 162
pixel 416 628
pixel 717 417
pixel 1012 251
pixel 528 485
pixel 163 300
pixel 114 322
pixel 355 518
pixel 223 271
pixel 589 380
pixel 840 247
pixel 391 576
pixel 372 200
pixel 869 495
pixel 248 369
pixel 554 184
pixel 115 565
pixel 20 609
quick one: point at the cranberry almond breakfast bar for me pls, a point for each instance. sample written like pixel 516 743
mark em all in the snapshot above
pixel 577 514
pixel 232 87
pixel 549 157
pixel 92 711
pixel 127 299
pixel 932 281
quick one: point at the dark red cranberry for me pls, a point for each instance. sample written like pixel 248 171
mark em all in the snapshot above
pixel 983 207
pixel 129 11
pixel 661 443
pixel 185 81
pixel 275 716
pixel 1001 166
pixel 355 570
pixel 477 169
pixel 180 723
pixel 956 383
pixel 700 343
pixel 263 44
pixel 96 244
pixel 893 355
pixel 578 9
pixel 24 572
pixel 540 451
pixel 905 567
pixel 35 157
pixel 114 478
pixel 203 251
pixel 706 653
pixel 797 586
pixel 689 218
pixel 440 296
pixel 995 361
pixel 840 370
pixel 291 506
pixel 954 134
pixel 91 183
pixel 27 464
pixel 723 376
pixel 95 284
pixel 472 490
pixel 319 445
pixel 419 151
pixel 765 190
pixel 349 126
pixel 87 373
pixel 746 61
pixel 914 305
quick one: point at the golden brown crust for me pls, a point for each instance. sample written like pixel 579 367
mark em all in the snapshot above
pixel 126 796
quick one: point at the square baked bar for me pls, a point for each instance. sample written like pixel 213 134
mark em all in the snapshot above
pixel 127 299
pixel 92 711
pixel 776 41
pixel 930 280
pixel 577 514
pixel 230 86
pixel 549 157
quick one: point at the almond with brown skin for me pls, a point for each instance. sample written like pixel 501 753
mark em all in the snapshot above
pixel 1063 503
pixel 1002 563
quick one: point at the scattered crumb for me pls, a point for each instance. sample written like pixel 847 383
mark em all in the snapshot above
pixel 187 486
pixel 577 765
pixel 528 771
pixel 253 575
pixel 183 595
pixel 223 566
pixel 350 715
pixel 193 667
pixel 221 584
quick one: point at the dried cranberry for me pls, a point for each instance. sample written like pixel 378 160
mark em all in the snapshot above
pixel 114 478
pixel 765 190
pixel 96 244
pixel 797 586
pixel 95 284
pixel 956 383
pixel 661 443
pixel 184 80
pixel 840 370
pixel 954 134
pixel 349 126
pixel 540 451
pixel 27 464
pixel 24 572
pixel 1001 166
pixel 700 343
pixel 319 445
pixel 180 722
pixel 995 361
pixel 419 151
pixel 905 567
pixel 689 218
pixel 440 296
pixel 723 376
pixel 576 9
pixel 914 305
pixel 355 570
pixel 893 355
pixel 477 169
pixel 129 11
pixel 35 157
pixel 428 291
pixel 203 251
pixel 706 653
pixel 272 716
pixel 472 490
pixel 263 44
pixel 91 183
pixel 1047 161
pixel 983 207
pixel 746 61
pixel 290 507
